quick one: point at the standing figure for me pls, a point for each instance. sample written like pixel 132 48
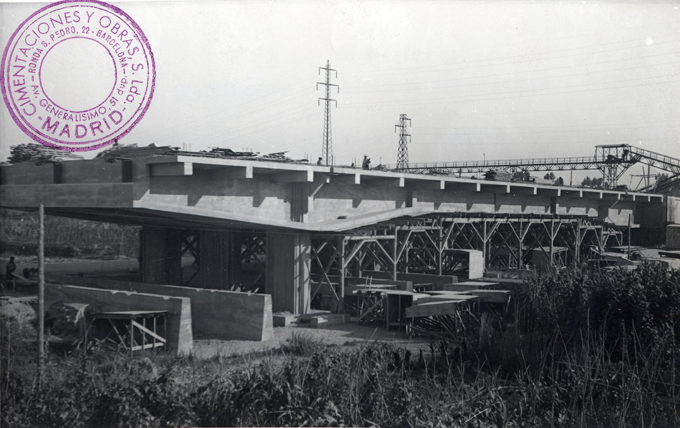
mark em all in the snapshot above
pixel 367 162
pixel 10 267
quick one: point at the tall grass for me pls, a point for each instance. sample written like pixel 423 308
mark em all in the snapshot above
pixel 586 365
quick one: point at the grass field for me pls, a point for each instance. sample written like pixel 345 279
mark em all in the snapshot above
pixel 579 348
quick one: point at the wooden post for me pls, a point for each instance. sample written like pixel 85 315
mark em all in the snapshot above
pixel 440 249
pixel 41 290
pixel 579 239
pixel 341 303
pixel 552 242
pixel 484 252
pixel 629 221
pixel 520 237
pixel 395 251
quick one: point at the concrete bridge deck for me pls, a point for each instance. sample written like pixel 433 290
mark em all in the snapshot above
pixel 191 191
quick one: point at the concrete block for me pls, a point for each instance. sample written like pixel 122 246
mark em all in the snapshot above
pixel 673 237
pixel 284 320
pixel 27 173
pixel 447 307
pixel 673 210
pixel 217 314
pixel 475 262
pixel 88 195
pixel 92 171
pixel 179 335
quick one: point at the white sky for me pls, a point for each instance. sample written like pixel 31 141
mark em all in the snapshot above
pixel 494 79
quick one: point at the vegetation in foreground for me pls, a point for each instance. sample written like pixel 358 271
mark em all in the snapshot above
pixel 19 236
pixel 596 349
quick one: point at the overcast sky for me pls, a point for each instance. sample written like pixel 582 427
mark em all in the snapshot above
pixel 494 79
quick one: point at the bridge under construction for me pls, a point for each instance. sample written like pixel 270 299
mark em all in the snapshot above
pixel 295 230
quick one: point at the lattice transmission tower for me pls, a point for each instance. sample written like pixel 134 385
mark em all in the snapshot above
pixel 327 148
pixel 402 157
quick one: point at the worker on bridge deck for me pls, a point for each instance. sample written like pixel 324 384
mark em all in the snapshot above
pixel 367 163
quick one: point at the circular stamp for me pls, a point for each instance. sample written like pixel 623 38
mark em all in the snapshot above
pixel 78 75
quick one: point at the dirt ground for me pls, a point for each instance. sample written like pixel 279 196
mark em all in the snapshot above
pixel 341 335
pixel 17 308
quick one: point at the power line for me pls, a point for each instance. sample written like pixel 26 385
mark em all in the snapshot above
pixel 402 157
pixel 327 147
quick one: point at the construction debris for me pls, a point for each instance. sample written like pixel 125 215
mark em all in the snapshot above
pixel 120 151
pixel 124 152
pixel 39 154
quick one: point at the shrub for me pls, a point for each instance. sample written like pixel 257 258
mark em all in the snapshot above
pixel 620 303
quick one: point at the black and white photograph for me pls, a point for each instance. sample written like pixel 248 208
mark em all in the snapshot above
pixel 326 213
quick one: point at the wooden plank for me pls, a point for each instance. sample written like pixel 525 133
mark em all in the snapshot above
pixel 370 291
pixel 120 338
pixel 479 284
pixel 433 309
pixel 443 298
pixel 398 293
pixel 447 293
pixel 379 303
pixel 492 296
pixel 129 314
pixel 417 296
pixel 461 288
pixel 147 346
pixel 149 332
pixel 372 286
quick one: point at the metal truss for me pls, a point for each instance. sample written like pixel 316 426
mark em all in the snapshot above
pixel 514 165
pixel 612 160
pixel 335 257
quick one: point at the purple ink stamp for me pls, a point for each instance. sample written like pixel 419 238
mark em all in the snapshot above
pixel 78 75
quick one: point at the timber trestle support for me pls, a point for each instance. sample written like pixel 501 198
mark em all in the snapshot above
pixel 437 244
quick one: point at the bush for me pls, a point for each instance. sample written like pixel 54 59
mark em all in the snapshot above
pixel 644 303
